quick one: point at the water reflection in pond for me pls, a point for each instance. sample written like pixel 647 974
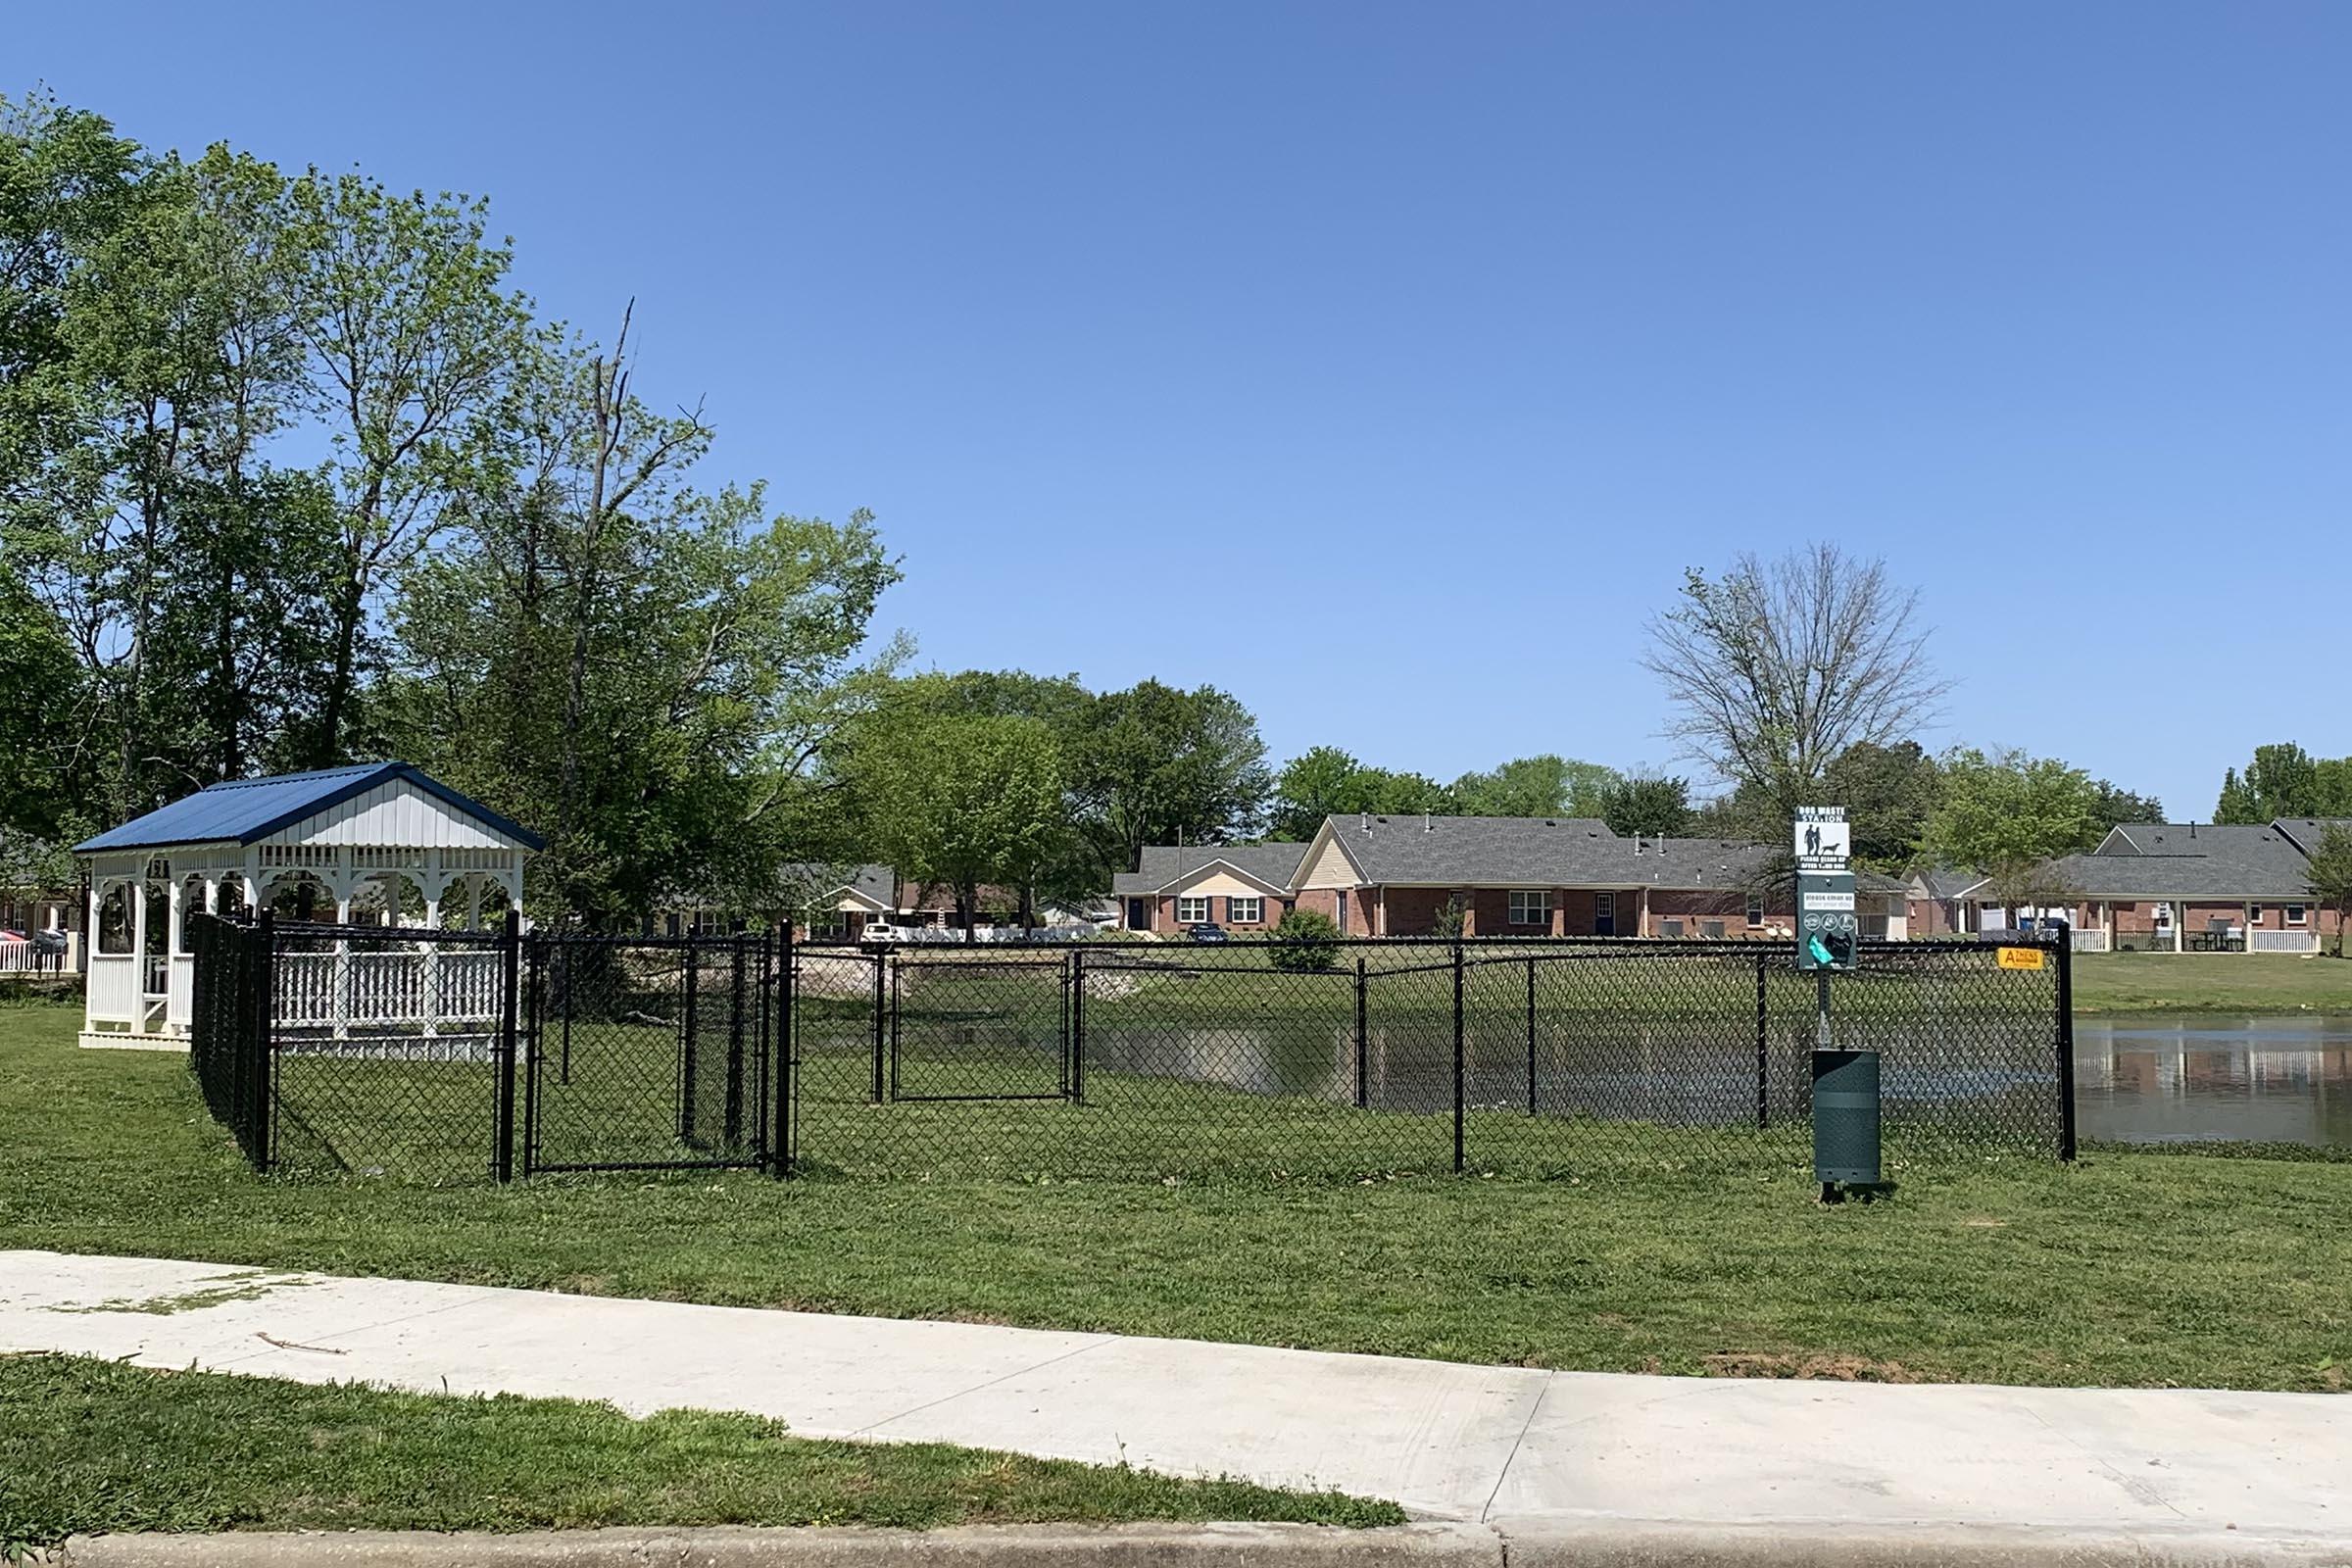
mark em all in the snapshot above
pixel 2260 1079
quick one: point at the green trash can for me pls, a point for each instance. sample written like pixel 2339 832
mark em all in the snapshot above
pixel 1845 1117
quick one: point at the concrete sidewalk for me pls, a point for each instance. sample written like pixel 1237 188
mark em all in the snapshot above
pixel 1449 1442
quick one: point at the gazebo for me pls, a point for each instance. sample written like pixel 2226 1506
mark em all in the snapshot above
pixel 379 844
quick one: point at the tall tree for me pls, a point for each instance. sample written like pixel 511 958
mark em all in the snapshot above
pixel 961 799
pixel 2285 781
pixel 1326 781
pixel 2118 806
pixel 2005 811
pixel 647 668
pixel 1775 668
pixel 1887 792
pixel 413 338
pixel 1653 806
pixel 1156 763
pixel 1544 785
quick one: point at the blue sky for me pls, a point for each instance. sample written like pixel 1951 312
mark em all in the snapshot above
pixel 1388 364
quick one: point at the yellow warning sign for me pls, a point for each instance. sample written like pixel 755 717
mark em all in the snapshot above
pixel 2021 958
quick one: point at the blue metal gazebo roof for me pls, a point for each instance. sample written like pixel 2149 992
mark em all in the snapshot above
pixel 248 810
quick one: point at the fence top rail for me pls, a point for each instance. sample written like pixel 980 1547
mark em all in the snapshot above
pixel 317 930
pixel 1517 949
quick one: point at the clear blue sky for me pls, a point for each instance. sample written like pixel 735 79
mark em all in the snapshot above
pixel 1388 364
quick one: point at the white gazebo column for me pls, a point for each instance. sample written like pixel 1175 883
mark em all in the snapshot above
pixel 473 901
pixel 138 952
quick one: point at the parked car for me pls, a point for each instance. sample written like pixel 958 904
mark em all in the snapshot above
pixel 1207 931
pixel 51 942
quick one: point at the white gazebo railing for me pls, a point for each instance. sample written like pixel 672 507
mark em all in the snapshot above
pixel 432 991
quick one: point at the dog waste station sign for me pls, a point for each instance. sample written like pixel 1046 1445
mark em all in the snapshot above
pixel 1845 1083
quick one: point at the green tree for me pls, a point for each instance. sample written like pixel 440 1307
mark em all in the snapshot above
pixel 2005 811
pixel 647 670
pixel 412 339
pixel 1887 792
pixel 1329 782
pixel 2330 878
pixel 2285 781
pixel 1773 670
pixel 1544 785
pixel 1156 763
pixel 1067 871
pixel 961 800
pixel 1653 806
pixel 2118 806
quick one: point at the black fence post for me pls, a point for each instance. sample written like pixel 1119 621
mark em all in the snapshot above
pixel 1460 1059
pixel 688 1022
pixel 735 1021
pixel 1531 1036
pixel 1076 1087
pixel 881 1023
pixel 511 967
pixel 781 981
pixel 260 1028
pixel 897 1004
pixel 1364 1055
pixel 534 1021
pixel 563 976
pixel 2066 1043
pixel 1763 1046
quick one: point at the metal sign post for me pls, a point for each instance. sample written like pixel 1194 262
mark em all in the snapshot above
pixel 1845 1083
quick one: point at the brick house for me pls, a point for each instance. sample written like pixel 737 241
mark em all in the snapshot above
pixel 1554 876
pixel 1246 888
pixel 2176 887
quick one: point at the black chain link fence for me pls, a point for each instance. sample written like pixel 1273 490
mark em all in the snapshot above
pixel 407 1053
pixel 1527 1057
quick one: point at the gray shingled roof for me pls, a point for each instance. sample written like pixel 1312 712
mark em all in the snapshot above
pixel 1274 863
pixel 2307 832
pixel 1944 883
pixel 2174 859
pixel 877 882
pixel 1538 852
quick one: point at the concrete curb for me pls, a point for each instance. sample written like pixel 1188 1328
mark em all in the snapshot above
pixel 1138 1545
pixel 1532 1543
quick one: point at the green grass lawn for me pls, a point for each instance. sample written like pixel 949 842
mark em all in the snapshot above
pixel 99 1447
pixel 2256 983
pixel 2124 1269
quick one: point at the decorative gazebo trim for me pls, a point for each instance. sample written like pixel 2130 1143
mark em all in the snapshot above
pixel 358 833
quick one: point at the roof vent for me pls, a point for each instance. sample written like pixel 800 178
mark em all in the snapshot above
pixel 1425 824
pixel 1364 821
pixel 1636 844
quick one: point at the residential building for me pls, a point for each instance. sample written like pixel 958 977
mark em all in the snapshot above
pixel 1246 888
pixel 1377 875
pixel 2164 887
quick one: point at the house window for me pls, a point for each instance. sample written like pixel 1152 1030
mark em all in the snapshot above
pixel 1244 911
pixel 1343 908
pixel 1710 928
pixel 2253 914
pixel 1192 912
pixel 1531 907
pixel 829 925
pixel 1755 908
pixel 2294 914
pixel 1670 927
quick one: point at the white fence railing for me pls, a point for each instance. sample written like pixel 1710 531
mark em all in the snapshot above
pixel 2090 940
pixel 427 990
pixel 2282 942
pixel 21 955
